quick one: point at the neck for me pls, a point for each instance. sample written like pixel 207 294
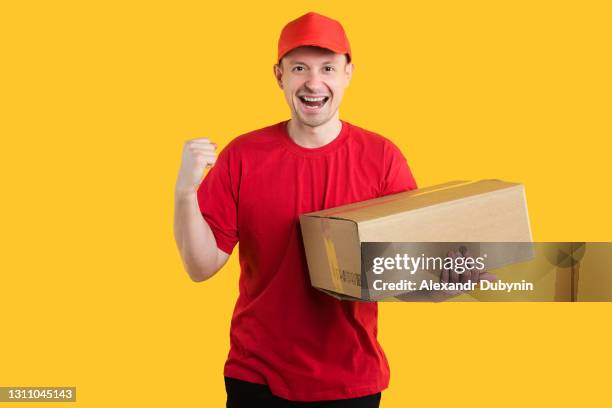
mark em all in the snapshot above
pixel 313 137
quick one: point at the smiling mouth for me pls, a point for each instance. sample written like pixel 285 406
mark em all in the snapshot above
pixel 313 102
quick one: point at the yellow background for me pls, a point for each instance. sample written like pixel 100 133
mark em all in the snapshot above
pixel 98 97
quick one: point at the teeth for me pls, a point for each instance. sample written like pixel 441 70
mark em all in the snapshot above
pixel 313 99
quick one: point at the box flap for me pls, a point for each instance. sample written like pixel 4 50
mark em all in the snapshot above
pixel 495 216
pixel 412 200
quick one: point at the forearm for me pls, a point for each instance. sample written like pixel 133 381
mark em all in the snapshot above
pixel 194 238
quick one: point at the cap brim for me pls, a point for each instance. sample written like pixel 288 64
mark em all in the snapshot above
pixel 338 49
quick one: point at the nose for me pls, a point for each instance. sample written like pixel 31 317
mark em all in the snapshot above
pixel 314 82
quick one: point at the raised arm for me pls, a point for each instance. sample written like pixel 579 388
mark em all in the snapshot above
pixel 195 240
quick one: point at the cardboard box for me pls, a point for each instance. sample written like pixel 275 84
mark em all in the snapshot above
pixel 591 263
pixel 551 271
pixel 337 240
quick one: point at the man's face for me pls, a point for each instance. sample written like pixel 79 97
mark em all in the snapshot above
pixel 313 80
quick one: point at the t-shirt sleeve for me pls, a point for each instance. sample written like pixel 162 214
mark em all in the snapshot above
pixel 397 174
pixel 217 199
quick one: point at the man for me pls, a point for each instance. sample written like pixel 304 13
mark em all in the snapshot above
pixel 290 343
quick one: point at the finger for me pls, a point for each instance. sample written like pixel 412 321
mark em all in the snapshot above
pixel 475 275
pixel 204 153
pixel 197 145
pixel 207 148
pixel 464 252
pixel 201 144
pixel 206 158
pixel 469 272
pixel 444 276
pixel 199 139
pixel 466 276
pixel 453 274
pixel 472 269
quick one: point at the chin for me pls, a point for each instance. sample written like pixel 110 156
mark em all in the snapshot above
pixel 313 121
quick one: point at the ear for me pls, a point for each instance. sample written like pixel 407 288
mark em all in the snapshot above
pixel 278 74
pixel 348 72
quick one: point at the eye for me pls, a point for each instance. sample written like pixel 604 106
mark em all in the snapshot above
pixel 298 68
pixel 329 68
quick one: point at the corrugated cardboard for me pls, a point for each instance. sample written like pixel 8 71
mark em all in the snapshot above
pixel 592 265
pixel 459 211
pixel 549 270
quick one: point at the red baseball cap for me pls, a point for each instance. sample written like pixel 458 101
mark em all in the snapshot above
pixel 316 30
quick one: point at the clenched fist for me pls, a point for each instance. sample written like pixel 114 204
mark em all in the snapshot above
pixel 198 154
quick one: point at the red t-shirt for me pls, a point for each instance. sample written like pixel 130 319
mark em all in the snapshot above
pixel 304 344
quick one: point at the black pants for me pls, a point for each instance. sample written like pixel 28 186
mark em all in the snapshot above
pixel 243 394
